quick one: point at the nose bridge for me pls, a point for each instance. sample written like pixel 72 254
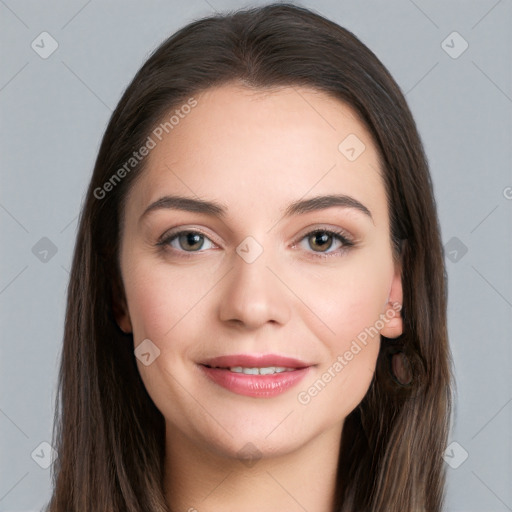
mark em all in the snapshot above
pixel 253 295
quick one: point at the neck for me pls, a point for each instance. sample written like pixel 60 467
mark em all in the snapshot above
pixel 199 479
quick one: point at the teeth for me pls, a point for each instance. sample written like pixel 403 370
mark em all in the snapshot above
pixel 269 370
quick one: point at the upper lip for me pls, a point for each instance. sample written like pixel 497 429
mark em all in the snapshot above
pixel 255 361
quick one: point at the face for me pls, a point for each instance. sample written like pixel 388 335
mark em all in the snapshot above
pixel 249 270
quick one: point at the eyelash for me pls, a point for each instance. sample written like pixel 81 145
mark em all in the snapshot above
pixel 340 236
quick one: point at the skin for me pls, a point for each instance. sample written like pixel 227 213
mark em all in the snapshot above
pixel 254 152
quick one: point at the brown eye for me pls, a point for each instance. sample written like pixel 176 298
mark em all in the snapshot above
pixel 187 241
pixel 191 240
pixel 320 240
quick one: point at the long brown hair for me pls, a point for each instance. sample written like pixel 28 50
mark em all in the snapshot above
pixel 108 433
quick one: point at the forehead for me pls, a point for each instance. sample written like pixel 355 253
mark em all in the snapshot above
pixel 263 148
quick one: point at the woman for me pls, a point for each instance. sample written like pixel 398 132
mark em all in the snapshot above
pixel 256 314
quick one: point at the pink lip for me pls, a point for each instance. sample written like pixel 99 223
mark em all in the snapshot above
pixel 262 386
pixel 255 361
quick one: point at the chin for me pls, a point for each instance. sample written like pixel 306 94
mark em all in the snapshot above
pixel 248 447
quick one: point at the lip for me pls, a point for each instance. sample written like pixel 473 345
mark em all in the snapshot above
pixel 259 386
pixel 255 361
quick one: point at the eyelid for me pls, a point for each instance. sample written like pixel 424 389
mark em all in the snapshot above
pixel 347 240
pixel 344 236
pixel 313 228
pixel 177 230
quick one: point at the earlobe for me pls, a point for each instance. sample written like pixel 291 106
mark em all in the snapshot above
pixel 120 309
pixel 124 323
pixel 393 327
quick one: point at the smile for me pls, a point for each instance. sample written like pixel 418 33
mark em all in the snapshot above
pixel 268 370
pixel 259 376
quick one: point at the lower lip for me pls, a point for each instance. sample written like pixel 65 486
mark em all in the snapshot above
pixel 264 386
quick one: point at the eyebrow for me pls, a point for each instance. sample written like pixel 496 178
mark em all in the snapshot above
pixel 298 207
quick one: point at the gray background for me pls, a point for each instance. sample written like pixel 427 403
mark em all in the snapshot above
pixel 54 112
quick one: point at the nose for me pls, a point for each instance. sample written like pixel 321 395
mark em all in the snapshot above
pixel 254 294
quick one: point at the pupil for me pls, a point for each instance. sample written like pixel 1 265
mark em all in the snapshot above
pixel 192 239
pixel 321 238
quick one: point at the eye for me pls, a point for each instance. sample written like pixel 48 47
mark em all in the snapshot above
pixel 321 241
pixel 187 241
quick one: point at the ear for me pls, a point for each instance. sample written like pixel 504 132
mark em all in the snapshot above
pixel 393 319
pixel 120 308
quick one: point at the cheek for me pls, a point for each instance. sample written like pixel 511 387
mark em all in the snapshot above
pixel 348 300
pixel 351 307
pixel 162 300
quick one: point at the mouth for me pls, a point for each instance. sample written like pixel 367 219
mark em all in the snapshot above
pixel 261 376
pixel 267 370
